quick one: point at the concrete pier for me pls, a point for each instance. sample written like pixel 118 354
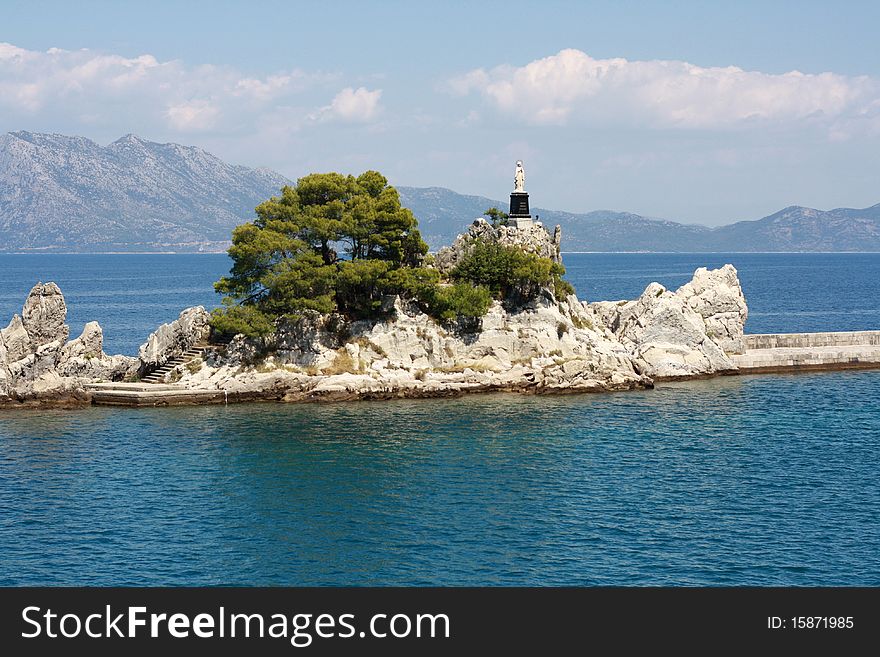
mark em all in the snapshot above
pixel 151 394
pixel 792 352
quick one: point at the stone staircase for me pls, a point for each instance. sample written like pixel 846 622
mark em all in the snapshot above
pixel 158 375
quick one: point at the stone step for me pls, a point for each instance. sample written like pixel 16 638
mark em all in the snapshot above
pixel 156 376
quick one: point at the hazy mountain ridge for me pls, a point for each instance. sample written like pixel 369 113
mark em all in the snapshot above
pixel 60 193
pixel 69 194
pixel 793 229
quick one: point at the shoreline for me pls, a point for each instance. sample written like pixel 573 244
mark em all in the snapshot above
pixel 549 346
pixel 92 395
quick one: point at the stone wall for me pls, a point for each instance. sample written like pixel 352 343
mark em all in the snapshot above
pixel 805 340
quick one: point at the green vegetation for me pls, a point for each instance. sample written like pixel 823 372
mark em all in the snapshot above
pixel 510 273
pixel 335 243
pixel 460 300
pixel 496 216
pixel 285 261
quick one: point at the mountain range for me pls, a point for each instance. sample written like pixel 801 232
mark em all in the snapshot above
pixel 442 213
pixel 60 193
pixel 69 194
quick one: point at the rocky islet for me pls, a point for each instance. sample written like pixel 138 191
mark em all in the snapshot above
pixel 549 345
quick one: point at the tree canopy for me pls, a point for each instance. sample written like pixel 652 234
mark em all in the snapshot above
pixel 337 243
pixel 288 260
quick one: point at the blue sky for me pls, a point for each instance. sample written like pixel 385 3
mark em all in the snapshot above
pixel 703 112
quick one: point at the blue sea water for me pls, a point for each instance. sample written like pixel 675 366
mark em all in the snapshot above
pixel 764 480
pixel 130 295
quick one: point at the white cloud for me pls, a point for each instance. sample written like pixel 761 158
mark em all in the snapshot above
pixel 351 106
pixel 192 116
pixel 10 52
pixel 572 86
pixel 139 93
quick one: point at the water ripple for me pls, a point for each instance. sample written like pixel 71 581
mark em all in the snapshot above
pixel 744 480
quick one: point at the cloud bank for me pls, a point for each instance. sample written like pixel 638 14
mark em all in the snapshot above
pixel 85 87
pixel 571 86
pixel 351 106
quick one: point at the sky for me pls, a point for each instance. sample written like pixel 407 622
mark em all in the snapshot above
pixel 702 112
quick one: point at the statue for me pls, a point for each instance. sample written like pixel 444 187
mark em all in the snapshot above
pixel 519 178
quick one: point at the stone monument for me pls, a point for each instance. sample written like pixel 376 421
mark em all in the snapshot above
pixel 519 216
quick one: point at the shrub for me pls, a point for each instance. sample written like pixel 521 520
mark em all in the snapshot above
pixel 561 287
pixel 459 300
pixel 343 363
pixel 509 272
pixel 248 320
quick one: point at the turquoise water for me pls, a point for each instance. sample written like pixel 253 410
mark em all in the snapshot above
pixel 739 480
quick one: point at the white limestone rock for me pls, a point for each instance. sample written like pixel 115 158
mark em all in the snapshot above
pixel 89 344
pixel 16 343
pixel 34 366
pixel 174 339
pixel 44 314
pixel 682 333
pixel 716 295
pixel 549 345
pixel 84 358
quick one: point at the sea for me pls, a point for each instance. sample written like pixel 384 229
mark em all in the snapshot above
pixel 750 480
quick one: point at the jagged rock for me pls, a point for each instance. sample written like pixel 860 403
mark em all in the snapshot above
pixel 84 358
pixel 718 298
pixel 88 345
pixel 16 342
pixel 33 369
pixel 5 381
pixel 101 368
pixel 174 339
pixel 549 345
pixel 36 365
pixel 533 239
pixel 44 314
pixel 664 332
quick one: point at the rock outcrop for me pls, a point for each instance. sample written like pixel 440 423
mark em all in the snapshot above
pixel 176 338
pixel 685 333
pixel 717 297
pixel 37 362
pixel 84 358
pixel 533 239
pixel 549 345
pixel 44 314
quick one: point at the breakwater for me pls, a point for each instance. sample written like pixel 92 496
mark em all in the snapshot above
pixel 790 352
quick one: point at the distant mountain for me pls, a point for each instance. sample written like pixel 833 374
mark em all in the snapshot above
pixel 61 193
pixel 68 194
pixel 442 213
pixel 804 229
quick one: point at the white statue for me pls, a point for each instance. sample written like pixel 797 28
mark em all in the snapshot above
pixel 519 178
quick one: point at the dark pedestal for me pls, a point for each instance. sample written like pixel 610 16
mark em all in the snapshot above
pixel 519 204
